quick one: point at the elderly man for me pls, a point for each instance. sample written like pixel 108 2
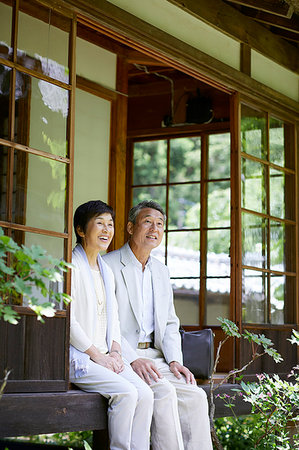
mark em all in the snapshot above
pixel 152 341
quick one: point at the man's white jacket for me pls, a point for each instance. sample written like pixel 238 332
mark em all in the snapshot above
pixel 166 333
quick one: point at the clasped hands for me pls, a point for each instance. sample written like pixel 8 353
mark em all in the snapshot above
pixel 148 371
pixel 112 361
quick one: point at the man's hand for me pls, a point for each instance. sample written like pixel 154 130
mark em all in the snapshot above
pixel 177 369
pixel 146 369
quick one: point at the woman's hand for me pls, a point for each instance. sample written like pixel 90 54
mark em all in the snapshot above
pixel 107 361
pixel 115 353
pixel 118 359
pixel 110 363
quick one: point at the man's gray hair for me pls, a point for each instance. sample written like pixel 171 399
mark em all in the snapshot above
pixel 145 204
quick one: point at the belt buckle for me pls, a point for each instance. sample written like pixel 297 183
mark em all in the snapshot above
pixel 144 345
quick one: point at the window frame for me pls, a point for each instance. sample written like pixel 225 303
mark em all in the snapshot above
pixel 203 131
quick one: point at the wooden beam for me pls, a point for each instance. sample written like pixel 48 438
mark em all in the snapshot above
pixel 118 154
pixel 289 35
pixel 245 59
pixel 278 8
pixel 135 57
pixel 232 22
pixel 280 22
pixel 122 26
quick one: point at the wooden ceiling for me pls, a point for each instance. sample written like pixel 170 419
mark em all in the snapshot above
pixel 281 17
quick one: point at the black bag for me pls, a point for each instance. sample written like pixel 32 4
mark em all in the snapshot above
pixel 198 352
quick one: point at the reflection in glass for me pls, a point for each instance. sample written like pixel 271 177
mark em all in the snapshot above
pixel 4 100
pixel 54 247
pixel 253 132
pixel 45 47
pixel 183 254
pixel 219 156
pixel 40 192
pixel 5 29
pixel 48 105
pixel 3 181
pixel 219 204
pixel 253 191
pixel 185 156
pixel 157 193
pixel 254 240
pixel 150 162
pixel 254 296
pixel 282 244
pixel 277 193
pixel 282 188
pixel 186 300
pixel 218 260
pixel 184 201
pixel 276 141
pixel 217 299
pixel 277 295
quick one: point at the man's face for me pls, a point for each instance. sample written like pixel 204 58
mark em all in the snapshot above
pixel 148 230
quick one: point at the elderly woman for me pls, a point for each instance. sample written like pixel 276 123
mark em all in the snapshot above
pixel 96 364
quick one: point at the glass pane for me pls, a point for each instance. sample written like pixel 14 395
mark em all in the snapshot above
pixel 184 206
pixel 159 252
pixel 277 297
pixel 282 187
pixel 219 156
pixel 150 162
pixel 183 254
pixel 5 29
pixel 254 296
pixel 253 190
pixel 3 182
pixel 277 196
pixel 4 101
pixel 45 48
pixel 253 132
pixel 276 141
pixel 54 247
pixel 217 299
pixel 219 204
pixel 254 241
pixel 186 300
pixel 41 115
pixel 218 260
pixel 282 247
pixel 185 156
pixel 157 193
pixel 40 186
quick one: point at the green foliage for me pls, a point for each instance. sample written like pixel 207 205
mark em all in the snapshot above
pixel 25 275
pixel 260 340
pixel 74 439
pixel 237 433
pixel 275 402
pixel 229 327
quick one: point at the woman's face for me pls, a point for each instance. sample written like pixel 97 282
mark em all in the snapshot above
pixel 99 232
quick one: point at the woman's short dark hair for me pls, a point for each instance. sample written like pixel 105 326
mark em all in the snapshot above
pixel 87 211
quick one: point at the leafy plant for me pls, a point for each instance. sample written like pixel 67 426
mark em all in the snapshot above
pixel 25 273
pixel 275 402
pixel 260 345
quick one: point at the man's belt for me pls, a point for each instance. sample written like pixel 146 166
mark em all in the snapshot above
pixel 143 345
